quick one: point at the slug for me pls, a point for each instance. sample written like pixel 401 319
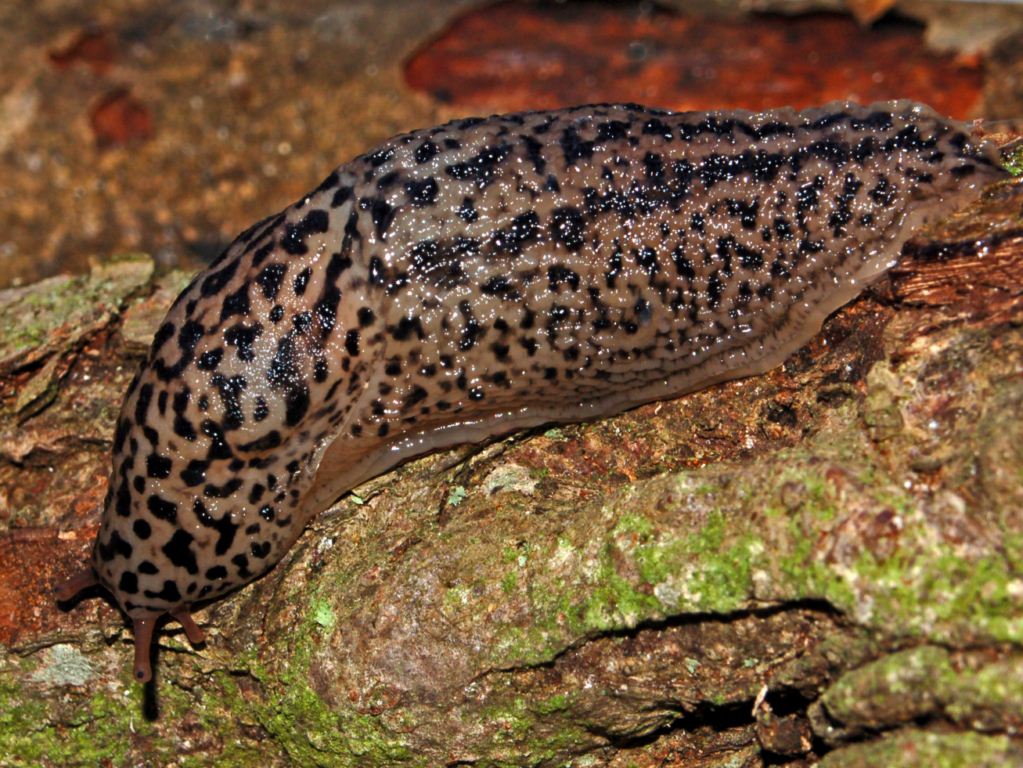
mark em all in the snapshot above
pixel 484 276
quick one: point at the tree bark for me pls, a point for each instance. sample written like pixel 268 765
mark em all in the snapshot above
pixel 824 563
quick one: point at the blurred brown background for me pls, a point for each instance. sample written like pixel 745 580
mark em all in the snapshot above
pixel 167 127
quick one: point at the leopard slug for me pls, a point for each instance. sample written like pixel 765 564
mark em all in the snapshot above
pixel 484 276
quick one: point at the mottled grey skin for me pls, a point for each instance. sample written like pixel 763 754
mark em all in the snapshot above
pixel 484 276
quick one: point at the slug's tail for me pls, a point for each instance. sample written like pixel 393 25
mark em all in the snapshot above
pixel 984 127
pixel 1007 134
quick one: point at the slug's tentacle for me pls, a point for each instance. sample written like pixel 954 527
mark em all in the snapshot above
pixel 467 280
pixel 82 580
pixel 193 631
pixel 143 629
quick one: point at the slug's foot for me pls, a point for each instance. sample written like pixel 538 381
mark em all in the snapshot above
pixel 144 628
pixel 82 580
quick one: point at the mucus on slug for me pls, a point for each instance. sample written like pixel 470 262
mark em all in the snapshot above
pixel 488 275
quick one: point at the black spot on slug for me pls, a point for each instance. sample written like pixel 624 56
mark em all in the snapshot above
pixel 422 193
pixel 169 593
pixel 270 278
pixel 158 466
pixel 425 152
pixel 162 508
pixel 295 235
pixel 179 551
pixel 129 583
pixel 352 342
pixel 236 303
pixel 567 227
pixel 216 282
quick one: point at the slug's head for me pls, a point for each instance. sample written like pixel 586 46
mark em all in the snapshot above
pixel 206 471
pixel 127 560
pixel 140 571
pixel 196 503
pixel 216 437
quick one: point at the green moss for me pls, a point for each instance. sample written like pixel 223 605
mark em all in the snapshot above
pixel 924 682
pixel 994 692
pixel 29 318
pixel 208 708
pixel 313 734
pixel 703 571
pixel 531 644
pixel 821 503
pixel 633 523
pixel 1013 161
pixel 911 748
pixel 457 596
pixel 1012 546
pixel 644 572
pixel 108 728
pixel 944 594
pixel 306 727
pixel 47 305
pixel 806 577
pixel 917 587
pixel 514 718
pixel 323 614
pixel 518 554
pixel 636 575
pixel 614 602
pixel 916 671
pixel 723 572
pixel 543 730
pixel 101 731
pixel 557 703
pixel 656 562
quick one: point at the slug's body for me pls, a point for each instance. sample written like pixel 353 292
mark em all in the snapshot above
pixel 485 276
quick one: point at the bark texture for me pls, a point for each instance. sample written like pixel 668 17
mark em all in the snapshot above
pixel 824 563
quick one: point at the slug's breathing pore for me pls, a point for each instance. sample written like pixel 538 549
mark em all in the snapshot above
pixel 489 275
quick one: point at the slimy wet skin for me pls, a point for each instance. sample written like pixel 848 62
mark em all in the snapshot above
pixel 465 281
